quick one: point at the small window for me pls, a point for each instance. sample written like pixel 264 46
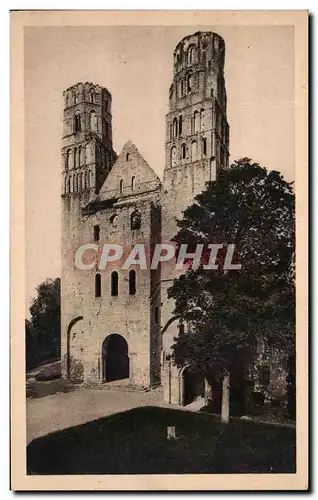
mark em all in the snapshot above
pixel 127 157
pixel 204 146
pixel 175 127
pixel 96 233
pixel 92 96
pixel 183 151
pixel 75 157
pixel 180 124
pixel 133 183
pixel 98 285
pixel 114 283
pixel 121 187
pixel 113 220
pixel 181 328
pixel 77 122
pixel 67 159
pixel 264 375
pixel 156 315
pixel 132 282
pixel 135 220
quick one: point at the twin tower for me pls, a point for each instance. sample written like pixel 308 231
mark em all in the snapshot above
pixel 100 194
pixel 197 132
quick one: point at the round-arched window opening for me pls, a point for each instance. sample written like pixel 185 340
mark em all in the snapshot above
pixel 113 220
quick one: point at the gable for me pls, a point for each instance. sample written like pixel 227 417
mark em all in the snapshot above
pixel 130 175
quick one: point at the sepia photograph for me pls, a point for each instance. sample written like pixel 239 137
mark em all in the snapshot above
pixel 162 325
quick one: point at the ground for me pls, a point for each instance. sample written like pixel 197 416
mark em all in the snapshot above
pixel 100 431
pixel 65 409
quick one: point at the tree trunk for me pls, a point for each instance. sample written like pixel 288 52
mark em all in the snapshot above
pixel 225 410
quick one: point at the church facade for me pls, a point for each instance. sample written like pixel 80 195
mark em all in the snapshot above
pixel 118 324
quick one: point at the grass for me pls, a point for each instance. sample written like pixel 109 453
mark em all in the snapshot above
pixel 134 442
pixel 40 389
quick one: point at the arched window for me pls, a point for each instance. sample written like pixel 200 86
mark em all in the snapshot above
pixel 92 95
pixel 93 121
pixel 78 182
pixel 180 124
pixel 173 156
pixel 135 220
pixel 121 186
pixel 175 127
pixel 85 180
pixel 196 120
pixel 133 183
pixel 191 55
pixel 75 157
pixel 73 183
pixel 183 151
pixel 193 151
pixel 132 282
pixel 204 146
pixel 113 220
pixel 79 155
pixel 181 328
pixel 127 156
pixel 82 181
pixel 89 179
pixel 77 122
pixel 69 184
pixel 67 159
pixel 98 285
pixel 114 283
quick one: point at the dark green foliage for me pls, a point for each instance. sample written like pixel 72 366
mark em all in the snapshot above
pixel 134 442
pixel 225 311
pixel 43 330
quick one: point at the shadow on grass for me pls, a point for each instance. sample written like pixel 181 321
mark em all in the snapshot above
pixel 40 389
pixel 134 442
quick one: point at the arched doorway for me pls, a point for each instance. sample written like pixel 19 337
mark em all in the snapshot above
pixel 115 358
pixel 192 384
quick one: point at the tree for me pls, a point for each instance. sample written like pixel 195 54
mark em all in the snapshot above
pixel 43 330
pixel 227 310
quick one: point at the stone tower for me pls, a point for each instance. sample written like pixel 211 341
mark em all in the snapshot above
pixel 87 157
pixel 197 146
pixel 87 149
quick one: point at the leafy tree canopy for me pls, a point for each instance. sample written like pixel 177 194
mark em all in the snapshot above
pixel 225 311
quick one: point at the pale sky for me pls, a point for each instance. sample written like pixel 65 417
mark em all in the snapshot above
pixel 135 64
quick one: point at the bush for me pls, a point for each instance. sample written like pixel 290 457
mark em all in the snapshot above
pixel 51 372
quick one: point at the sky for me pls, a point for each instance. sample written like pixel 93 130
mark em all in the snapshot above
pixel 135 64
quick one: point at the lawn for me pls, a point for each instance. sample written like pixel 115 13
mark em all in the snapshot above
pixel 134 442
